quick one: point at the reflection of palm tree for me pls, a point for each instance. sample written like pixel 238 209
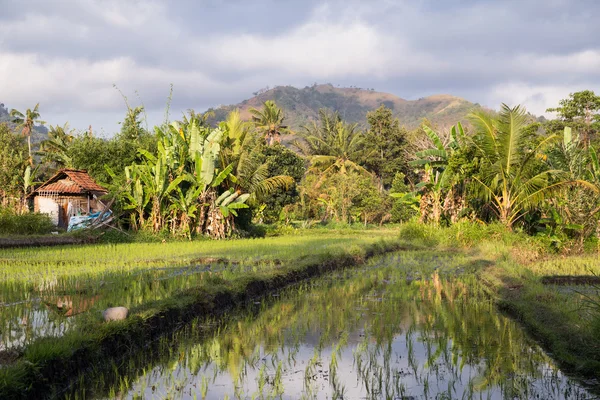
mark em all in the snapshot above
pixel 26 122
pixel 269 121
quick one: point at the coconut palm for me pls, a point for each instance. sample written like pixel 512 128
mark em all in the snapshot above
pixel 241 149
pixel 55 148
pixel 333 146
pixel 509 178
pixel 269 121
pixel 574 208
pixel 26 122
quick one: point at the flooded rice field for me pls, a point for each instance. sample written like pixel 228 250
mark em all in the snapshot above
pixel 387 330
pixel 50 307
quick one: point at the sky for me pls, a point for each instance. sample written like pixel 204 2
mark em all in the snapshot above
pixel 80 58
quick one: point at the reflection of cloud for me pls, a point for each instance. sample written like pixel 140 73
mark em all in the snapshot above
pixel 67 55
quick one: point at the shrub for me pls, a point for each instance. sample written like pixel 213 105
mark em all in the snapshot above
pixel 12 223
pixel 415 231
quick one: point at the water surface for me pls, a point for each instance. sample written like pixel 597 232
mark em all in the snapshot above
pixel 395 329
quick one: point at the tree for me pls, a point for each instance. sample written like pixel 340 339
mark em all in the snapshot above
pixel 509 177
pixel 440 193
pixel 336 178
pixel 385 143
pixel 574 209
pixel 182 186
pixel 581 112
pixel 242 148
pixel 13 161
pixel 405 204
pixel 131 127
pixel 281 161
pixel 269 121
pixel 55 149
pixel 26 122
pixel 333 146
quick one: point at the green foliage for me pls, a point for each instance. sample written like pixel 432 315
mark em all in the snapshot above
pixel 417 232
pixel 333 146
pixel 13 160
pixel 242 148
pixel 347 198
pixel 96 154
pixel 183 186
pixel 269 121
pixel 55 149
pixel 131 127
pixel 581 112
pixel 442 187
pixel 405 204
pixel 510 176
pixel 12 223
pixel 281 162
pixel 25 123
pixel 385 143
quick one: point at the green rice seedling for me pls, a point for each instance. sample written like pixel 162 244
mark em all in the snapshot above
pixel 363 332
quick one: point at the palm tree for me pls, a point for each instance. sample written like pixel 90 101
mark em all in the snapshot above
pixel 241 149
pixel 26 122
pixel 269 121
pixel 333 145
pixel 56 148
pixel 576 207
pixel 508 177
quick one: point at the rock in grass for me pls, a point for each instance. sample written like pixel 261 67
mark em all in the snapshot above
pixel 115 314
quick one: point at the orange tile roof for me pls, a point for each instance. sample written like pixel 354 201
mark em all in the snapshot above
pixel 71 181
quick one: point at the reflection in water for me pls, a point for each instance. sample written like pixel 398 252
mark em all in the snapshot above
pixel 370 333
pixel 52 307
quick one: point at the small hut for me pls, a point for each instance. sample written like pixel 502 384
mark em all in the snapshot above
pixel 68 193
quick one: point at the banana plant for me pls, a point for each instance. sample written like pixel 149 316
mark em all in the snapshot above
pixel 438 176
pixel 230 201
pixel 183 180
pixel 28 182
pixel 135 198
pixel 154 174
pixel 438 155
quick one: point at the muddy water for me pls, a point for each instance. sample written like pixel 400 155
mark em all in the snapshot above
pixel 380 332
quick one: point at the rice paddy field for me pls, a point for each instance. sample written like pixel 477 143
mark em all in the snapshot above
pixel 46 291
pixel 408 325
pixel 394 315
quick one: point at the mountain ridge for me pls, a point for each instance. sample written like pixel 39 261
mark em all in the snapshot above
pixel 301 106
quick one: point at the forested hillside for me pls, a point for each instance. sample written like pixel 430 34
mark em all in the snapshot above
pixel 302 106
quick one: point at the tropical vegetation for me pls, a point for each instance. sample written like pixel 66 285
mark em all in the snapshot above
pixel 194 177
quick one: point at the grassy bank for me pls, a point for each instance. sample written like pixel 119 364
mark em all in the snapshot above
pixel 553 296
pixel 46 361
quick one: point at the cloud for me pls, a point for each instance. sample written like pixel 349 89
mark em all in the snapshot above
pixel 536 98
pixel 68 54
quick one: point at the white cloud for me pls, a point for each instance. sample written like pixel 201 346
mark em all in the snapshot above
pixel 580 62
pixel 68 54
pixel 536 98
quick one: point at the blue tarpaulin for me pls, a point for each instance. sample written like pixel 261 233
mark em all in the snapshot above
pixel 85 221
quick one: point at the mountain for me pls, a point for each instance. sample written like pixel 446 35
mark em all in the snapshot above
pixel 301 106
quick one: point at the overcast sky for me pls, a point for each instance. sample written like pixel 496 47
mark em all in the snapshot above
pixel 67 54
